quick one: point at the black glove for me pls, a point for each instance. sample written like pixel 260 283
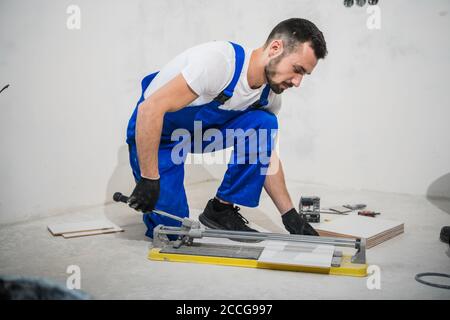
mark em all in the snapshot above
pixel 296 224
pixel 144 195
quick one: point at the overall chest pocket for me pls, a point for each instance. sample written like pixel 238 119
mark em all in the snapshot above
pixel 212 116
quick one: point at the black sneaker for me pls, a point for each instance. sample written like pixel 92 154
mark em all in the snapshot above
pixel 228 219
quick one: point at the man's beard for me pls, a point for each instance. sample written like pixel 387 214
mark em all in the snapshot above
pixel 270 71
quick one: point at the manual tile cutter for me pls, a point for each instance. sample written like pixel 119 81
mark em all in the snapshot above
pixel 184 249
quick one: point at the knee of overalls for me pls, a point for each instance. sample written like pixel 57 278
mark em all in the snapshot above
pixel 263 119
pixel 258 120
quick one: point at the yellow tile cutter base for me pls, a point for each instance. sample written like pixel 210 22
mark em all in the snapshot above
pixel 346 268
pixel 183 249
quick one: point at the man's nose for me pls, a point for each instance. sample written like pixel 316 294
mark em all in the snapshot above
pixel 297 80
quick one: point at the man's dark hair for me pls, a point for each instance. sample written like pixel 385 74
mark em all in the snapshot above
pixel 295 31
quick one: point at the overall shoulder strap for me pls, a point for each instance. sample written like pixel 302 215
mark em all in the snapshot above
pixel 264 99
pixel 227 93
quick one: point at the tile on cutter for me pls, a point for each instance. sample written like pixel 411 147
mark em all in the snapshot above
pixel 303 254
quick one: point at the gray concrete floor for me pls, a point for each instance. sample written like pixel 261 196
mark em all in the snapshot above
pixel 115 266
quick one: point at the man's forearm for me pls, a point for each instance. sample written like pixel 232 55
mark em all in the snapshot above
pixel 275 186
pixel 148 135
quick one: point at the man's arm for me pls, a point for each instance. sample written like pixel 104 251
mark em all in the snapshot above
pixel 173 96
pixel 275 185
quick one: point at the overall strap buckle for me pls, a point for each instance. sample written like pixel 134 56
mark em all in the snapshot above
pixel 226 94
pixel 264 99
pixel 223 97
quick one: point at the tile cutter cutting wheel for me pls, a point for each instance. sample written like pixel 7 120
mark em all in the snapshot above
pixel 185 249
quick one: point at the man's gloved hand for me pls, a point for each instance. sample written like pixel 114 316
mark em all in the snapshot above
pixel 144 195
pixel 296 224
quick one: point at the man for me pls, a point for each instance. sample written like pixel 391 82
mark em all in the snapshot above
pixel 226 88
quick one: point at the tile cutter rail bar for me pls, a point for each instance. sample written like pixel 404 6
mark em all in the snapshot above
pixel 184 249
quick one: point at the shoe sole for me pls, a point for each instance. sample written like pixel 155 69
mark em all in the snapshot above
pixel 212 225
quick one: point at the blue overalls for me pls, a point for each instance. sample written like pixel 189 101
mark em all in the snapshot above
pixel 242 183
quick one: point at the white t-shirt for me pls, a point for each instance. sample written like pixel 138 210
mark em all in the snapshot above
pixel 208 69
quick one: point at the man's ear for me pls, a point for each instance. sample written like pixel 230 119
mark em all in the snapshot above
pixel 276 48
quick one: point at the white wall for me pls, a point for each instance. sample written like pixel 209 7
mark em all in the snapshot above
pixel 374 115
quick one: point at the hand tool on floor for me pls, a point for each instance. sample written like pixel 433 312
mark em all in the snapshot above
pixel 185 249
pixel 344 209
pixel 368 213
pixel 355 206
pixel 329 211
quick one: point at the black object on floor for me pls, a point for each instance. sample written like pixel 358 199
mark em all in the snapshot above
pixel 445 237
pixel 445 234
pixel 28 288
pixel 419 277
pixel 5 87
